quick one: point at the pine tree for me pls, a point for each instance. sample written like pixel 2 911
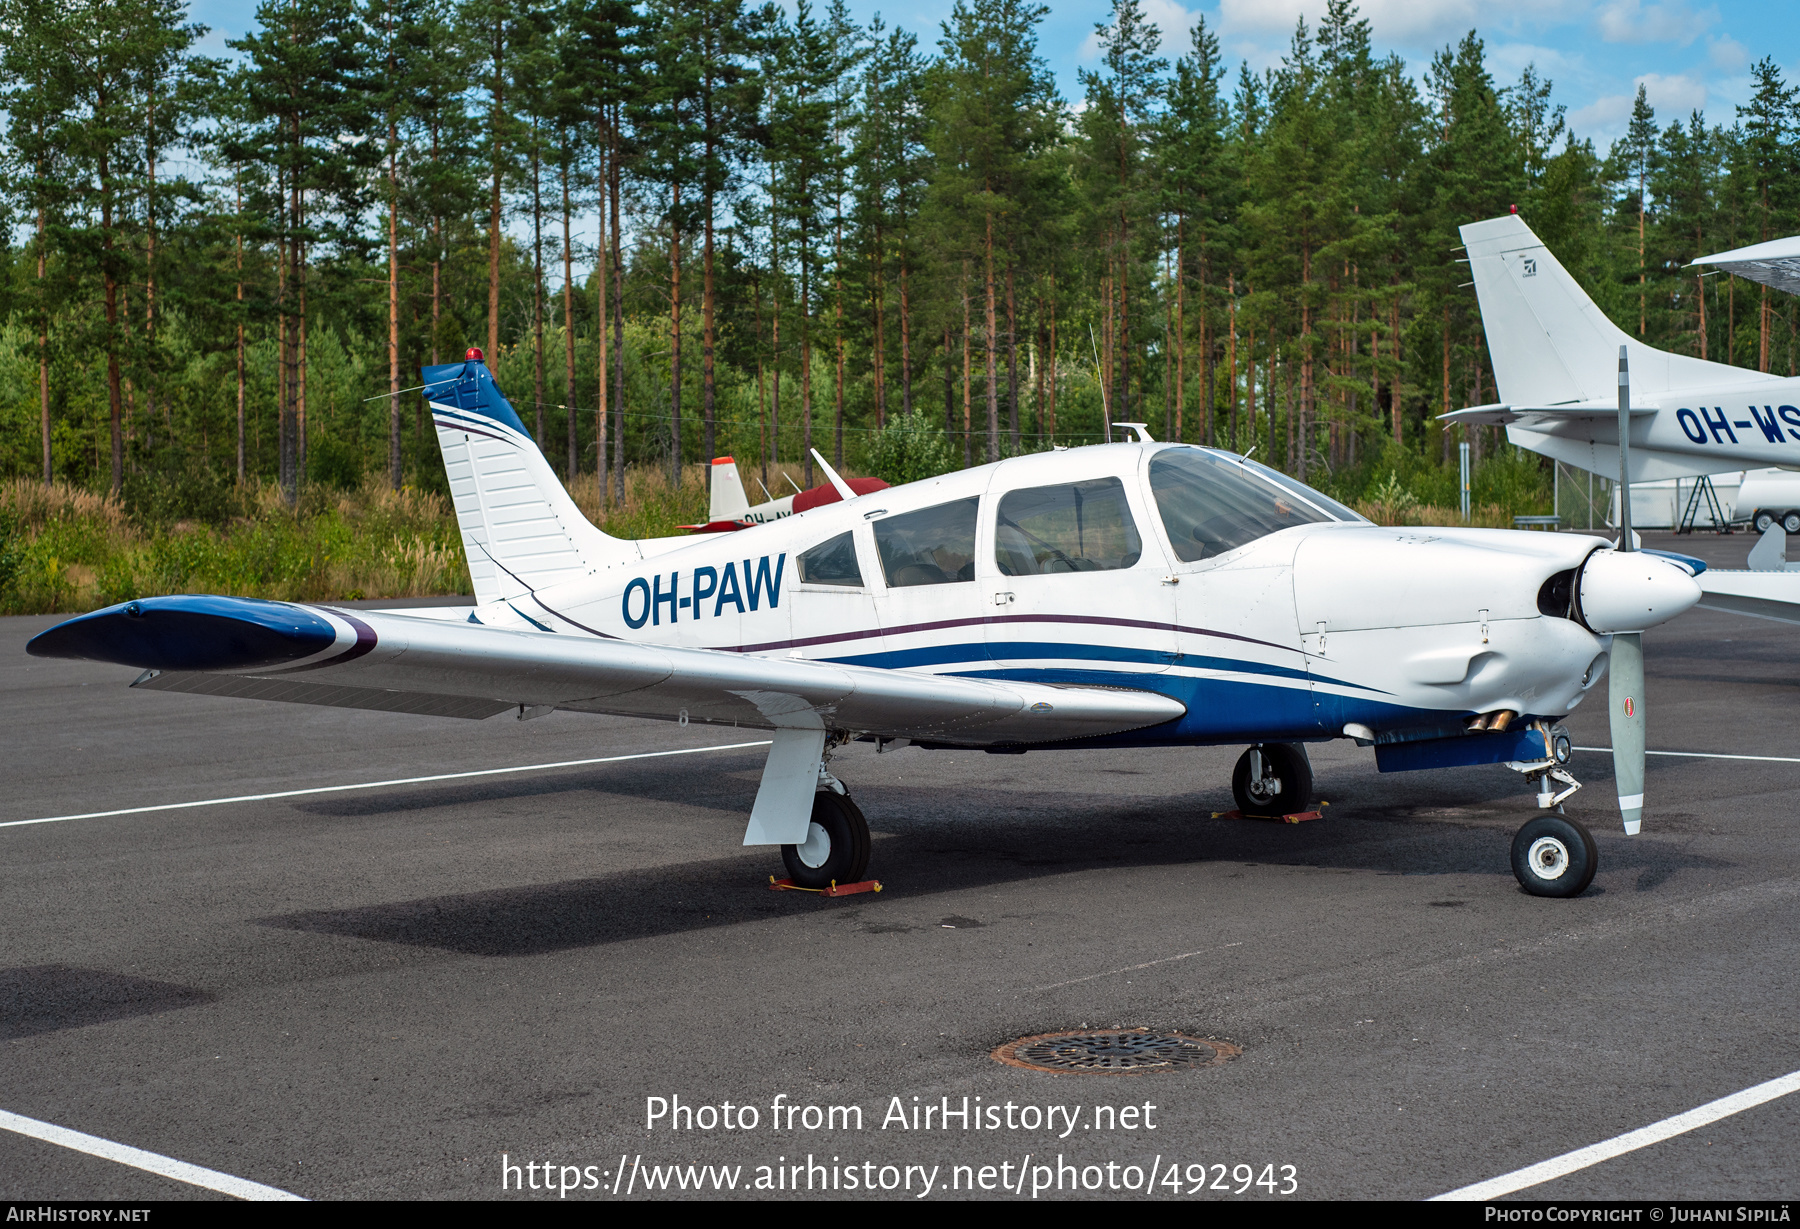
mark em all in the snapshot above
pixel 993 111
pixel 1768 161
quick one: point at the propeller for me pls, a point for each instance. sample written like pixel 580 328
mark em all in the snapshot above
pixel 1625 687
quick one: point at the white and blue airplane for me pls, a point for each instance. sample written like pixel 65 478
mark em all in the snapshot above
pixel 1119 595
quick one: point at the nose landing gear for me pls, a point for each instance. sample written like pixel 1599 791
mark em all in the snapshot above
pixel 1553 855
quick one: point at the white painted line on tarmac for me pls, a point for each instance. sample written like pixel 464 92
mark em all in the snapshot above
pixel 1132 968
pixel 137 1158
pixel 1710 755
pixel 1643 1137
pixel 338 789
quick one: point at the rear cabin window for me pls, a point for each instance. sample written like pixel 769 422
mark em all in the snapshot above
pixel 832 562
pixel 1075 527
pixel 933 546
pixel 1210 504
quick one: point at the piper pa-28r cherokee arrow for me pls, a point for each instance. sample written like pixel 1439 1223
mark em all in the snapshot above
pixel 1121 595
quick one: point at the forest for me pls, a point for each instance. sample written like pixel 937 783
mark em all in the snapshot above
pixel 680 229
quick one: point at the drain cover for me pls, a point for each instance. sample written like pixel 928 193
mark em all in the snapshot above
pixel 1114 1051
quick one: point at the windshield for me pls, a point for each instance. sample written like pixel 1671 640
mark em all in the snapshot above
pixel 1210 503
pixel 1331 506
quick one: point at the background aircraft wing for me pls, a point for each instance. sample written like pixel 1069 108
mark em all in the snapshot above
pixel 1775 263
pixel 396 663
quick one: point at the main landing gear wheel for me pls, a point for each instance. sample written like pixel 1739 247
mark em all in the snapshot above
pixel 836 848
pixel 1272 779
pixel 1554 856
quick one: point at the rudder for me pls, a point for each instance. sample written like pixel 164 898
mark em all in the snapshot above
pixel 521 531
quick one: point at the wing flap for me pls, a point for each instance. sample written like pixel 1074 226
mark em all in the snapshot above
pixel 292 691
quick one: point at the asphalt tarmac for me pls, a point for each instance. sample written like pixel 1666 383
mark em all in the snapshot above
pixel 381 993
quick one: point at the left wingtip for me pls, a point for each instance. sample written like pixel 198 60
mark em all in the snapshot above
pixel 189 632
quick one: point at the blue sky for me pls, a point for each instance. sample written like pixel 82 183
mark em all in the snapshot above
pixel 1687 55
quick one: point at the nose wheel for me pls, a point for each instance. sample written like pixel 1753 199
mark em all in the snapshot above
pixel 1272 779
pixel 837 844
pixel 1554 855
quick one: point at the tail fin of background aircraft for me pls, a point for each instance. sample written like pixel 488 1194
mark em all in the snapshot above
pixel 729 503
pixel 520 529
pixel 1550 343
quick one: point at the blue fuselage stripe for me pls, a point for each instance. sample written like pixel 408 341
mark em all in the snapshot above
pixel 1058 650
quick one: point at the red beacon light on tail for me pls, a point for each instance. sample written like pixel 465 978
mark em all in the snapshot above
pixel 474 355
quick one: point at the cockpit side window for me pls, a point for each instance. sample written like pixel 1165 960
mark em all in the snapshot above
pixel 1210 504
pixel 831 562
pixel 1073 527
pixel 933 546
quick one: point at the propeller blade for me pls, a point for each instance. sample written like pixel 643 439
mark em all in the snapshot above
pixel 1626 702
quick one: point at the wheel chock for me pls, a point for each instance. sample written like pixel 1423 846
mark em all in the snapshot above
pixel 1298 817
pixel 836 888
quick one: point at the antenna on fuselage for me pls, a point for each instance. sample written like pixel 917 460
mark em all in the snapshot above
pixel 1100 379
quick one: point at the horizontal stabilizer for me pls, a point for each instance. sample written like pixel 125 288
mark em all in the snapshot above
pixel 1503 415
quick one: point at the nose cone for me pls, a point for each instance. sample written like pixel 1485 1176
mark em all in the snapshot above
pixel 1628 591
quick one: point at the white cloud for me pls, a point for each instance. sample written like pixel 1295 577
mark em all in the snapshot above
pixel 1726 53
pixel 1506 61
pixel 1602 118
pixel 1171 20
pixel 1671 97
pixel 1407 22
pixel 1632 21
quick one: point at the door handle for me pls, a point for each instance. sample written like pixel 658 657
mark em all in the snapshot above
pixel 1001 599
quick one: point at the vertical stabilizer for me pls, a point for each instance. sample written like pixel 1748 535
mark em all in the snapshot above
pixel 729 503
pixel 520 529
pixel 1550 343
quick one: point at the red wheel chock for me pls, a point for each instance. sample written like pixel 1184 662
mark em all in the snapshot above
pixel 836 888
pixel 1298 817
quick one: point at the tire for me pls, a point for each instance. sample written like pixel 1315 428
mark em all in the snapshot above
pixel 1790 521
pixel 1553 855
pixel 1763 521
pixel 1285 762
pixel 837 845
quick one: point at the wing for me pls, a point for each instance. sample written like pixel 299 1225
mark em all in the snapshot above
pixel 430 666
pixel 1775 263
pixel 1763 595
pixel 1503 415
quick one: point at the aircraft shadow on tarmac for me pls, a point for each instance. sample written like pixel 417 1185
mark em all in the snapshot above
pixel 725 787
pixel 998 835
pixel 48 998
